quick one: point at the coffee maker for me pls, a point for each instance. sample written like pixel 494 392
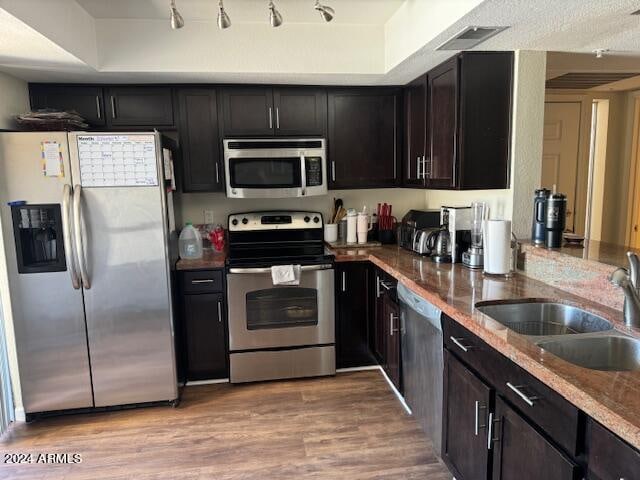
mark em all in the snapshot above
pixel 459 225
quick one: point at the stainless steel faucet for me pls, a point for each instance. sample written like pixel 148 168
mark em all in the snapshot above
pixel 629 281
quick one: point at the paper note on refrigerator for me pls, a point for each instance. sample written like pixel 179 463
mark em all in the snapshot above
pixel 52 165
pixel 117 160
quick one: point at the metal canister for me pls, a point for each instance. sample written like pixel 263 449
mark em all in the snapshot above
pixel 556 219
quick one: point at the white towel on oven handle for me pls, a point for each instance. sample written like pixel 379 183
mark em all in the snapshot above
pixel 286 274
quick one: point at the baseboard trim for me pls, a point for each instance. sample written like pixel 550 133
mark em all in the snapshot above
pixel 358 369
pixel 195 383
pixel 19 414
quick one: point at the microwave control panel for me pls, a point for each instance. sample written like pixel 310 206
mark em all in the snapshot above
pixel 313 171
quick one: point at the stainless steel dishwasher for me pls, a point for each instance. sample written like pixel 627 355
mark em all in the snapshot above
pixel 422 362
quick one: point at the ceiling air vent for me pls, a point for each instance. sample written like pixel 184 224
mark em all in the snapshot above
pixel 470 37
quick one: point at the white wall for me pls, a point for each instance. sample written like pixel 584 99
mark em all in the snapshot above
pixel 192 205
pixel 14 99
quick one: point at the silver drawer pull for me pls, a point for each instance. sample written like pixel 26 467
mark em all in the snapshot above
pixel 220 312
pixel 464 348
pixel 490 438
pixel 386 285
pixel 516 389
pixel 208 280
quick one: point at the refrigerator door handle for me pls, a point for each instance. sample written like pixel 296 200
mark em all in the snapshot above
pixel 67 195
pixel 77 233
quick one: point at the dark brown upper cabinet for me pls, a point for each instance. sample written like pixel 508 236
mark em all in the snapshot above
pixel 467 105
pixel 364 137
pixel 417 131
pixel 202 169
pixel 85 100
pixel 264 111
pixel 139 106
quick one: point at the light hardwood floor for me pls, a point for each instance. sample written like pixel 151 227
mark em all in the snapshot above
pixel 346 427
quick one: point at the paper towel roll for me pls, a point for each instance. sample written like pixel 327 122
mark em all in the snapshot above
pixel 497 246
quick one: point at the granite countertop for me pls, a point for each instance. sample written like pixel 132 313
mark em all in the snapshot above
pixel 611 398
pixel 209 261
pixel 592 250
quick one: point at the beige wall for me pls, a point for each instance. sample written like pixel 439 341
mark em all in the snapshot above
pixel 14 99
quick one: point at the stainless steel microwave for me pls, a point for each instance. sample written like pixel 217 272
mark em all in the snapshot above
pixel 275 168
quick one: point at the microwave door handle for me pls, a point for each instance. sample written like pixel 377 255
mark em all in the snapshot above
pixel 303 174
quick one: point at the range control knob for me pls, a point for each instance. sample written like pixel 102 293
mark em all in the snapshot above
pixel 245 220
pixel 307 219
pixel 234 222
pixel 316 219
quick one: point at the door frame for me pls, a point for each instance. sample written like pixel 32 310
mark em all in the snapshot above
pixel 582 168
pixel 633 195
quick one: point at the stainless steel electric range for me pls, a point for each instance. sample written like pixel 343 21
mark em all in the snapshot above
pixel 279 331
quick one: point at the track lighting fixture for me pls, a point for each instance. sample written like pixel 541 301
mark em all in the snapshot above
pixel 223 19
pixel 176 19
pixel 326 12
pixel 274 15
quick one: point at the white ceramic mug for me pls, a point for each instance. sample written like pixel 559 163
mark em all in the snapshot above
pixel 364 225
pixel 330 232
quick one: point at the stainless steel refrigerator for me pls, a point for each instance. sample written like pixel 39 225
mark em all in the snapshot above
pixel 87 257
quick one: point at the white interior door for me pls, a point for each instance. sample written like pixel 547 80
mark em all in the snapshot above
pixel 560 152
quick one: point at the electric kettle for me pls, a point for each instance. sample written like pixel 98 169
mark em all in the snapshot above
pixel 439 244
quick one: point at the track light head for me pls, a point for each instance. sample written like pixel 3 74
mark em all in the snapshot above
pixel 223 19
pixel 274 16
pixel 325 11
pixel 176 19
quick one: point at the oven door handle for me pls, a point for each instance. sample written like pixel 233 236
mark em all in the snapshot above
pixel 304 268
pixel 303 174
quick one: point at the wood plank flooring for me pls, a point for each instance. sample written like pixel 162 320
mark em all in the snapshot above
pixel 346 427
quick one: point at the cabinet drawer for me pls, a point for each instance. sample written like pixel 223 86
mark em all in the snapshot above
pixel 610 458
pixel 539 403
pixel 203 281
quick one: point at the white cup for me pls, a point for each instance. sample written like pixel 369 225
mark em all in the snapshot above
pixel 364 225
pixel 352 222
pixel 330 232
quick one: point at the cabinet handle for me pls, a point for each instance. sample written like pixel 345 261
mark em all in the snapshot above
pixel 378 292
pixel 219 311
pixel 217 173
pixel 113 106
pixel 270 118
pixel 98 109
pixel 516 389
pixel 333 170
pixel 386 287
pixel 490 439
pixel 418 167
pixel 477 426
pixel 344 281
pixel 458 343
pixel 278 118
pixel 392 317
pixel 207 280
pixel 427 171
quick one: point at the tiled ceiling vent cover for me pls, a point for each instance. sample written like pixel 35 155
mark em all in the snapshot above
pixel 470 37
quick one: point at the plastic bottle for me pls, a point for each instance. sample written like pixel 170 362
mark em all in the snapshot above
pixel 190 242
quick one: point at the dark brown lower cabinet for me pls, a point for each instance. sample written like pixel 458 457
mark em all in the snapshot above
pixel 520 452
pixel 353 313
pixel 203 329
pixel 466 410
pixel 610 457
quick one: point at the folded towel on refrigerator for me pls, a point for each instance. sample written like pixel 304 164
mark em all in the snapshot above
pixel 285 274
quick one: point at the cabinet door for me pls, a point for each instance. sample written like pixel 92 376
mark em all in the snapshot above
pixel 199 140
pixel 87 101
pixel 364 138
pixel 352 316
pixel 465 410
pixel 248 111
pixel 140 106
pixel 416 129
pixel 443 111
pixel 205 336
pixel 519 451
pixel 610 457
pixel 392 324
pixel 300 111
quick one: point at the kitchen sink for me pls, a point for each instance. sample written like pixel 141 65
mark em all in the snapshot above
pixel 544 318
pixel 610 353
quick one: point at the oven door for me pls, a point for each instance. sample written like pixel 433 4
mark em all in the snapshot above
pixel 263 315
